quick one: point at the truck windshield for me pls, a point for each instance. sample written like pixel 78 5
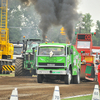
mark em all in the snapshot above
pixel 31 44
pixel 17 50
pixel 54 50
pixel 83 44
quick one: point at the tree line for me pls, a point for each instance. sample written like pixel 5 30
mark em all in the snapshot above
pixel 23 21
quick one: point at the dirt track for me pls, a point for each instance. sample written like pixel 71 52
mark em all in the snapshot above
pixel 29 89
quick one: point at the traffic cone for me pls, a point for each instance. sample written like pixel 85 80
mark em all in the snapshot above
pixel 96 93
pixel 14 95
pixel 56 94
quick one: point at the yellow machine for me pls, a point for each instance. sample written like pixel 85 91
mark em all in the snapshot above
pixel 6 48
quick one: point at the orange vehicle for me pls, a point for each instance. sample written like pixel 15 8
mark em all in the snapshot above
pixel 87 51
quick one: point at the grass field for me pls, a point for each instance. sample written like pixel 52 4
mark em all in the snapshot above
pixel 8 75
pixel 13 75
pixel 80 98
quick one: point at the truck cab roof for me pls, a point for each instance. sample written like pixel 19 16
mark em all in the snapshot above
pixel 53 44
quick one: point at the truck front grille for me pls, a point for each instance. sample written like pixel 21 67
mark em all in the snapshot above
pixel 52 67
pixel 30 57
pixel 56 64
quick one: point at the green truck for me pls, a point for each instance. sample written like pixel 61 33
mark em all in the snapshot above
pixel 58 61
pixel 25 65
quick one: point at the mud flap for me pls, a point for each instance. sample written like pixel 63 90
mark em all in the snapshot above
pixel 92 73
pixel 90 70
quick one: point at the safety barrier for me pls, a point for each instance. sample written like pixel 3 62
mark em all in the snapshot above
pixel 8 68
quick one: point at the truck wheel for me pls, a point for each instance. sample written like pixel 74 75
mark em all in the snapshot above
pixel 39 78
pixel 19 71
pixel 67 78
pixel 77 78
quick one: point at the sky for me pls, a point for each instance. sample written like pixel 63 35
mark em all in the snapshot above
pixel 92 7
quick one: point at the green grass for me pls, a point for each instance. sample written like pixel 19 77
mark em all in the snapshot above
pixel 80 98
pixel 8 75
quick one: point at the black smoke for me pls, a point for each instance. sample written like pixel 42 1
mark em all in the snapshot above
pixel 56 12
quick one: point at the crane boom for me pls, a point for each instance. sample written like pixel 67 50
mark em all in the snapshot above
pixel 6 48
pixel 4 13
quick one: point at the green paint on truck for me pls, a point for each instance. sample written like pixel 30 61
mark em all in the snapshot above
pixel 58 61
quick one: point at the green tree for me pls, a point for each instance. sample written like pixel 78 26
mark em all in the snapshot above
pixel 86 18
pixel 22 21
pixel 96 38
pixel 31 21
pixel 88 23
pixel 14 20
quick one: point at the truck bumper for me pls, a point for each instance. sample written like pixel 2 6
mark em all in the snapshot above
pixel 51 72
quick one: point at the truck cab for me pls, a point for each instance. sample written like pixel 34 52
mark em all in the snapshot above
pixel 17 50
pixel 58 61
pixel 84 46
pixel 25 65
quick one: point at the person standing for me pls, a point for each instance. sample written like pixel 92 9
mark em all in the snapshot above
pixel 99 74
pixel 96 70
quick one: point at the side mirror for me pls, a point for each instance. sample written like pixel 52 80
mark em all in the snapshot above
pixel 33 50
pixel 24 45
pixel 23 51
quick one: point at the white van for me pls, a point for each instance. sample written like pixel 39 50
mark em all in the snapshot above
pixel 17 51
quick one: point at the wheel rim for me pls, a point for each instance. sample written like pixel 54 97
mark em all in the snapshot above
pixel 69 77
pixel 78 77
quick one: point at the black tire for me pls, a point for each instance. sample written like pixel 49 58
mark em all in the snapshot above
pixel 39 78
pixel 76 79
pixel 67 78
pixel 19 71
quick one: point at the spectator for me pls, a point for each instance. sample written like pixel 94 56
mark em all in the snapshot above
pixel 96 70
pixel 99 74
